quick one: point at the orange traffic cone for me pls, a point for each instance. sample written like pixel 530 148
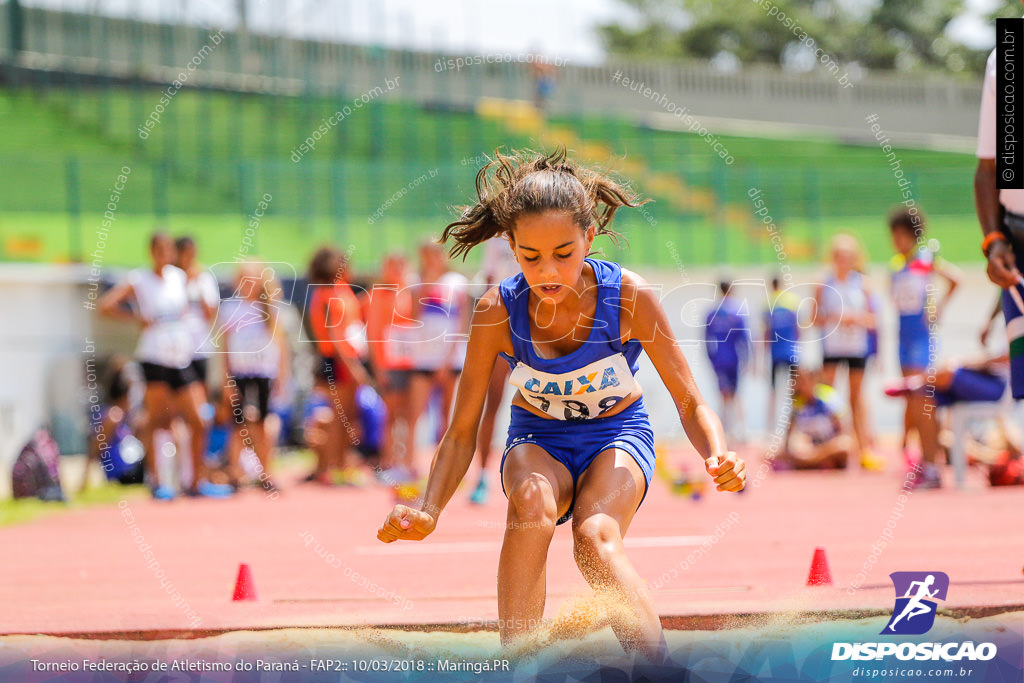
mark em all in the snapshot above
pixel 245 587
pixel 820 574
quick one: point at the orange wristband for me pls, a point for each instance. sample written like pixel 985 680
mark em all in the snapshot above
pixel 990 239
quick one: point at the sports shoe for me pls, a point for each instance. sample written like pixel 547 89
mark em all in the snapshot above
pixel 928 477
pixel 904 385
pixel 208 489
pixel 163 492
pixel 911 459
pixel 870 461
pixel 480 493
pixel 351 476
pixel 400 475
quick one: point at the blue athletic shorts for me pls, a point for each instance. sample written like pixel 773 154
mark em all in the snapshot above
pixel 728 377
pixel 914 345
pixel 575 443
pixel 972 385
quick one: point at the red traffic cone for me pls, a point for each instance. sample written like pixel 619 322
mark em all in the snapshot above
pixel 245 587
pixel 820 574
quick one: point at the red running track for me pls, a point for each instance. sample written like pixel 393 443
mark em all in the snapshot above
pixel 82 572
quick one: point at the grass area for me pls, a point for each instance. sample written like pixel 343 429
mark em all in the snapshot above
pixel 290 463
pixel 290 241
pixel 388 175
pixel 28 509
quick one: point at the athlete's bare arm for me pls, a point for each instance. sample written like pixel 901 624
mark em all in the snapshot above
pixel 869 318
pixel 489 334
pixel 644 318
pixel 284 358
pixel 829 322
pixel 952 275
pixel 110 303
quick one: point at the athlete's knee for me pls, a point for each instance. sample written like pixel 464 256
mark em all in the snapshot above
pixel 532 501
pixel 595 539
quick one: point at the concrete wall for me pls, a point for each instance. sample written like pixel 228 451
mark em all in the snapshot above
pixel 42 357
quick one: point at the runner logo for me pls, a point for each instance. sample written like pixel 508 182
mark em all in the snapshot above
pixel 916 593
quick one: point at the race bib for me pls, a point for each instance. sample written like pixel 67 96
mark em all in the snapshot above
pixel 910 293
pixel 581 394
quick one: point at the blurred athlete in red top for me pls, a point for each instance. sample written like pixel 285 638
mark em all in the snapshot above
pixel 335 321
pixel 390 330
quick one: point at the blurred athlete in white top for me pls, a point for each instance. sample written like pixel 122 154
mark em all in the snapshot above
pixel 164 351
pixel 257 363
pixel 845 314
pixel 441 306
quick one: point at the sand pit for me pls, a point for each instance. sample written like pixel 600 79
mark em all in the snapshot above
pixel 578 642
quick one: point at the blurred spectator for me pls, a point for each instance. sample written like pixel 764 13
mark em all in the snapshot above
pixel 336 321
pixel 390 332
pixel 441 306
pixel 727 342
pixel 543 74
pixel 160 298
pixel 843 311
pixel 815 439
pixel 112 444
pixel 980 379
pixel 912 271
pixel 782 341
pixel 258 364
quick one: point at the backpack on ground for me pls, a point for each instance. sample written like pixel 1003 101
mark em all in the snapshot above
pixel 35 472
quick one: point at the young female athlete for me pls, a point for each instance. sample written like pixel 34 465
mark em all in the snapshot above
pixel 335 317
pixel 580 444
pixel 258 363
pixel 440 306
pixel 164 350
pixel 843 309
pixel 914 268
pixel 390 331
pixel 113 445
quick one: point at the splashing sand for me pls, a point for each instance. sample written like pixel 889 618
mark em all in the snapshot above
pixel 579 636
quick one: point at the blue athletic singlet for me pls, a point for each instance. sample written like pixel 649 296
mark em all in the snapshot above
pixel 817 417
pixel 587 382
pixel 726 333
pixel 910 281
pixel 576 389
pixel 783 324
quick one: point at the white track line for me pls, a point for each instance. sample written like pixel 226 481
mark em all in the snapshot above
pixel 428 548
